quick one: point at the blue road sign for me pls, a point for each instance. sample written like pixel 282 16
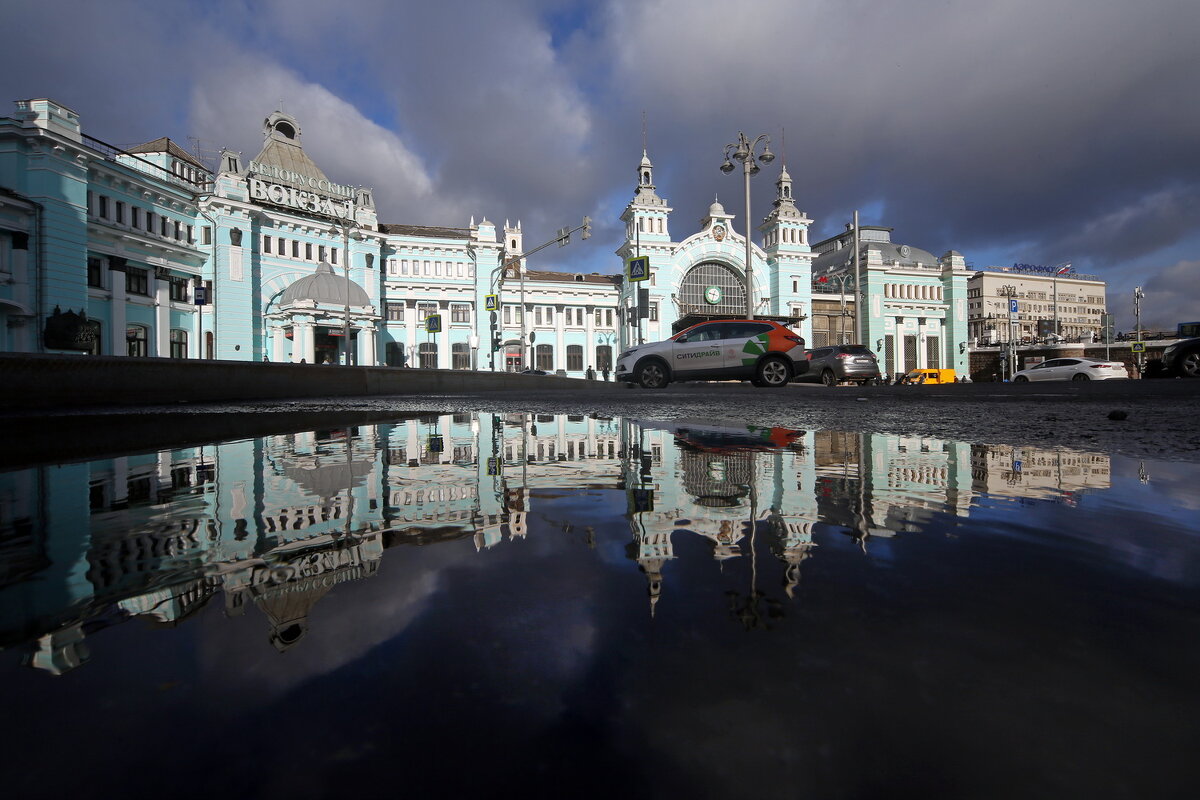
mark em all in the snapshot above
pixel 1012 306
pixel 1016 464
pixel 638 268
pixel 433 323
pixel 491 302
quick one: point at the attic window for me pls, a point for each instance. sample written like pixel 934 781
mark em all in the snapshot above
pixel 285 129
pixel 579 278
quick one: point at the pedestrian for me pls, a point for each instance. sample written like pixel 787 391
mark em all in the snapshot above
pixel 606 372
pixel 591 373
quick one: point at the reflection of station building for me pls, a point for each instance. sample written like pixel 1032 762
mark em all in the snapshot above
pixel 275 523
pixel 1031 472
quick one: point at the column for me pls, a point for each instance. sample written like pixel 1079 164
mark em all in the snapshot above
pixel 589 339
pixel 367 347
pixel 560 354
pixel 278 343
pixel 116 333
pixel 162 315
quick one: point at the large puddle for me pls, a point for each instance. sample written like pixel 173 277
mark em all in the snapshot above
pixel 586 606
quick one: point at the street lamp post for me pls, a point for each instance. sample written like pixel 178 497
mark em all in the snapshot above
pixel 1138 296
pixel 346 223
pixel 1058 270
pixel 743 150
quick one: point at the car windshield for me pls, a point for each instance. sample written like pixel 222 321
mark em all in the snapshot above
pixel 857 349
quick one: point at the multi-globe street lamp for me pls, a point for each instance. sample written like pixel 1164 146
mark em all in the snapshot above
pixel 743 150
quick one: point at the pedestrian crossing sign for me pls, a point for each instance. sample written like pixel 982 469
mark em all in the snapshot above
pixel 491 303
pixel 638 269
pixel 433 323
pixel 1138 347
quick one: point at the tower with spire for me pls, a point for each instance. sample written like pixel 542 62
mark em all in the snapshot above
pixel 789 257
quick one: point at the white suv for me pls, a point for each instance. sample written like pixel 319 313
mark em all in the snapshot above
pixel 763 352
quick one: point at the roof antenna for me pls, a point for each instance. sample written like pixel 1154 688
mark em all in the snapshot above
pixel 783 148
pixel 644 131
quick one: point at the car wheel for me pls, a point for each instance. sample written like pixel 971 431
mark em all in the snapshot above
pixel 1080 376
pixel 652 375
pixel 828 378
pixel 1020 379
pixel 1189 364
pixel 773 372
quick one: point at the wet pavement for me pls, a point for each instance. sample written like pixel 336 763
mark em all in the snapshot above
pixel 374 596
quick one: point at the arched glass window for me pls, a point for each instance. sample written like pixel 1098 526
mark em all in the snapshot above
pixel 604 357
pixel 427 355
pixel 544 357
pixel 460 356
pixel 137 338
pixel 694 296
pixel 179 343
pixel 575 357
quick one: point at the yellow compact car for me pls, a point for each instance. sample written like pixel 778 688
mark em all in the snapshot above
pixel 930 376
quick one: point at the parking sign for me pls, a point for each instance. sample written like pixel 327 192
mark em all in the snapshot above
pixel 1012 306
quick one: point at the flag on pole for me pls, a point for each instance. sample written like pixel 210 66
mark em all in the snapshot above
pixel 823 279
pixel 1064 269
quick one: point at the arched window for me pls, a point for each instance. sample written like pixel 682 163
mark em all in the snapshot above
pixel 179 343
pixel 604 357
pixel 427 355
pixel 137 338
pixel 695 297
pixel 575 357
pixel 544 357
pixel 460 356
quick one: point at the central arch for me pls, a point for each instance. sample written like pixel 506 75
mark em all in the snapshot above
pixel 696 282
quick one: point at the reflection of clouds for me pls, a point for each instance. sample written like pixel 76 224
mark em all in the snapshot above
pixel 346 625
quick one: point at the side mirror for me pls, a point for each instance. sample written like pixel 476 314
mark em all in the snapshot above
pixel 681 340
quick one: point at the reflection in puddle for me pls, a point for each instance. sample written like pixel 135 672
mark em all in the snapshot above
pixel 700 609
pixel 275 523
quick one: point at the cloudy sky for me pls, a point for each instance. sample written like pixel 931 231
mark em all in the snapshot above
pixel 1035 131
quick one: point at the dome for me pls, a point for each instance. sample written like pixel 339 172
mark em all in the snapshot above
pixel 716 209
pixel 324 287
pixel 646 160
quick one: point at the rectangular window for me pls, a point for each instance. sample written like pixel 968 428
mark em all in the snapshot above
pixel 91 204
pixel 95 276
pixel 103 206
pixel 178 231
pixel 537 315
pixel 295 248
pixel 137 281
pixel 207 234
pixel 333 255
pixel 544 357
pixel 508 315
pixel 179 289
pixel 308 251
pixel 460 312
pixel 191 234
pixel 320 252
pixel 179 343
pixel 575 358
pixel 395 312
pixel 404 266
pixel 608 312
pixel 459 269
pixel 460 357
pixel 165 228
pixel 136 341
pixel 391 267
pixel 135 217
pixel 654 312
pixel 149 222
pixel 266 244
pixel 428 266
pixel 120 213
pixel 425 310
pixel 437 268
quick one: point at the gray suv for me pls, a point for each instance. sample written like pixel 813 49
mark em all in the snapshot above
pixel 842 362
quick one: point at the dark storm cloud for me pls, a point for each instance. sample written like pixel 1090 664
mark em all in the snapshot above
pixel 1012 131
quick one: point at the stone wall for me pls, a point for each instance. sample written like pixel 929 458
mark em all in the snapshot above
pixel 49 381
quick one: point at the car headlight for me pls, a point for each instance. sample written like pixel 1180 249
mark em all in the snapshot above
pixel 628 352
pixel 1170 349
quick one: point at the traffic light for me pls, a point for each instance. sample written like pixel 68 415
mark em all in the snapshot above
pixel 587 228
pixel 496 342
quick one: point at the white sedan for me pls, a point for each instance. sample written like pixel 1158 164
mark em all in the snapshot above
pixel 1072 369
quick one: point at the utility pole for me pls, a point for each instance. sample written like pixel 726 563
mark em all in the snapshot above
pixel 1010 292
pixel 858 331
pixel 1138 294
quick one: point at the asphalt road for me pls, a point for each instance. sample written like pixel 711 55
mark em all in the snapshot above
pixel 1162 417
